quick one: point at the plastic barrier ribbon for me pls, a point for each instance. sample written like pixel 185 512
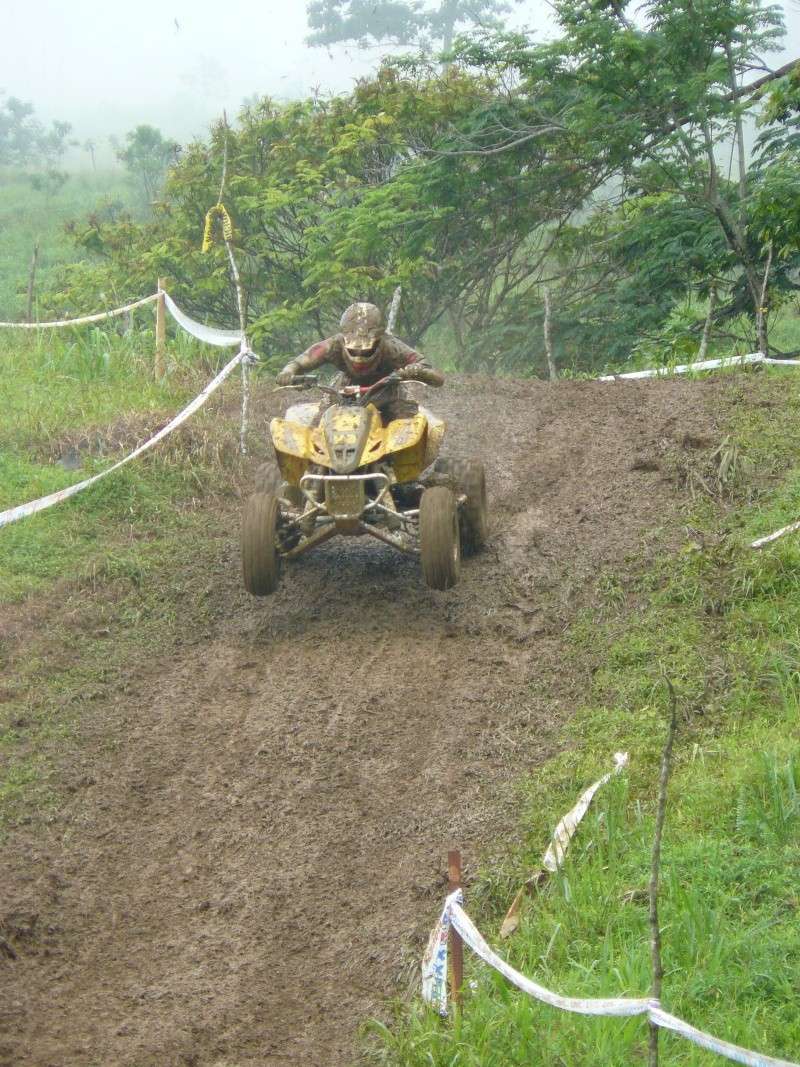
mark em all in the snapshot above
pixel 99 317
pixel 557 849
pixel 23 510
pixel 612 1006
pixel 434 962
pixel 564 832
pixel 705 364
pixel 582 1006
pixel 791 528
pixel 210 334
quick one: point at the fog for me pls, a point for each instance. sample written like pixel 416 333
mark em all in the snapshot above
pixel 105 66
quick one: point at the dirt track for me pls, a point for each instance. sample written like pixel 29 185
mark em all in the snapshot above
pixel 253 850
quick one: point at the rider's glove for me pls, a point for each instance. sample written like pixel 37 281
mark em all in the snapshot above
pixel 287 374
pixel 420 372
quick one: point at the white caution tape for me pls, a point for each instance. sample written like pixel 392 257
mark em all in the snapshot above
pixel 583 1006
pixel 723 1048
pixel 211 335
pixel 610 1006
pixel 23 510
pixel 434 962
pixel 774 536
pixel 557 849
pixel 84 318
pixel 705 364
pixel 564 832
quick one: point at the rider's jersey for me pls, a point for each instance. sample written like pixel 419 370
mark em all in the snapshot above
pixel 392 355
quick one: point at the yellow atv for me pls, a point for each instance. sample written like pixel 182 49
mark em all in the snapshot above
pixel 353 475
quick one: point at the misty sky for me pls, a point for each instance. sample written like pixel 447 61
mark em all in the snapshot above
pixel 105 66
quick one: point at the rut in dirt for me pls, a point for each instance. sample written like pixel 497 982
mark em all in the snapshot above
pixel 255 854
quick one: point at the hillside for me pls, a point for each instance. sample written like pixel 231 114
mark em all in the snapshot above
pixel 226 819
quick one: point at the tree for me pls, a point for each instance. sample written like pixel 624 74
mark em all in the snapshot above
pixel 587 166
pixel 395 22
pixel 90 146
pixel 660 102
pixel 24 141
pixel 147 156
pixel 342 199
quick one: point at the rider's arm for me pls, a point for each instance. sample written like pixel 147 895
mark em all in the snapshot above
pixel 308 361
pixel 412 366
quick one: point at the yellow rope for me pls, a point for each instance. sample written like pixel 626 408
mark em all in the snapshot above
pixel 217 211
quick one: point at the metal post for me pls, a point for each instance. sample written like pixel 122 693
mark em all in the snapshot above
pixel 456 944
pixel 161 331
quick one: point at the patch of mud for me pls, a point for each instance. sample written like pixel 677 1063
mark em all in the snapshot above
pixel 251 846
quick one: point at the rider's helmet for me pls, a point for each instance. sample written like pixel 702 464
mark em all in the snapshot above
pixel 362 327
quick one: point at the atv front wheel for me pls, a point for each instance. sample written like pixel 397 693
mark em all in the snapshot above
pixel 268 479
pixel 467 477
pixel 440 538
pixel 261 563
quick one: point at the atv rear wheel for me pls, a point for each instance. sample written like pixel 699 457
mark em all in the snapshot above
pixel 440 538
pixel 467 477
pixel 261 563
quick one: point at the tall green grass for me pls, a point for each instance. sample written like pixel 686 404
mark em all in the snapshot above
pixel 91 396
pixel 29 216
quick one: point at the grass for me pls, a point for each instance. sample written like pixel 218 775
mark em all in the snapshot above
pixel 723 622
pixel 96 400
pixel 28 216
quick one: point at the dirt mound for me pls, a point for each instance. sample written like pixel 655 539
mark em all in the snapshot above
pixel 252 849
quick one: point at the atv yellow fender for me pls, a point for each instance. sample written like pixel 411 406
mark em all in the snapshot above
pixel 411 444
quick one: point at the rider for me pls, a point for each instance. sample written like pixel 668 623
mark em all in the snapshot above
pixel 363 352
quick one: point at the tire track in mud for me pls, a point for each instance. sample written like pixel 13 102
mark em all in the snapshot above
pixel 259 867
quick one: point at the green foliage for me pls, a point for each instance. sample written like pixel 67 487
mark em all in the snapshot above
pixel 146 157
pixel 340 200
pixel 90 393
pixel 24 141
pixel 588 165
pixel 30 216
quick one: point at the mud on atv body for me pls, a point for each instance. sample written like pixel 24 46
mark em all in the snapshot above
pixel 355 476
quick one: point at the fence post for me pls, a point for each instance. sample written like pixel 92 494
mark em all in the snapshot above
pixel 456 944
pixel 161 331
pixel 32 281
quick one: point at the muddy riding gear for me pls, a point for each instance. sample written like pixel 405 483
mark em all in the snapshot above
pixel 381 354
pixel 390 355
pixel 362 327
pixel 287 374
pixel 419 372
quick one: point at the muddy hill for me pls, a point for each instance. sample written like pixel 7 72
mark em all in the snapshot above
pixel 250 847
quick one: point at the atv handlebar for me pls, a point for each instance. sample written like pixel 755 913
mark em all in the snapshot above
pixel 361 393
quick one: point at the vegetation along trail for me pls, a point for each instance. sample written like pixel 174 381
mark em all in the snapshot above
pixel 249 844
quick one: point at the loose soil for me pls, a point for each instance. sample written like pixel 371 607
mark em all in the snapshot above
pixel 249 847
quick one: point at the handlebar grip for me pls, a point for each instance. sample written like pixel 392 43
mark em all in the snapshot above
pixel 305 379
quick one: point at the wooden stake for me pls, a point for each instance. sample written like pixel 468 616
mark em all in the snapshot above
pixel 32 281
pixel 456 944
pixel 161 331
